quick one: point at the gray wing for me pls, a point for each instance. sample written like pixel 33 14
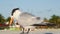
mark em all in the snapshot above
pixel 27 19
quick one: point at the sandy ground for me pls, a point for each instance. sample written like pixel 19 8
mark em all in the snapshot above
pixel 40 31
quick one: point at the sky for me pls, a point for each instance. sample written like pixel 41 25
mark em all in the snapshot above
pixel 40 8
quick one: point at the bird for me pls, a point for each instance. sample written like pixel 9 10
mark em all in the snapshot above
pixel 24 19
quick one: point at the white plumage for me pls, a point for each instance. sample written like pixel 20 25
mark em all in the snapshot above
pixel 25 19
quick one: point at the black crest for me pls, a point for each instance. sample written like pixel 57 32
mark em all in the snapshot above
pixel 14 10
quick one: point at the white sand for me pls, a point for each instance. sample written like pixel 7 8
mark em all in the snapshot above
pixel 40 31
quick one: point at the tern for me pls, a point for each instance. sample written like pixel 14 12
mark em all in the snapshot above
pixel 24 19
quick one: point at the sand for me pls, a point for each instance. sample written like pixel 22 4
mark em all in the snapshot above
pixel 39 31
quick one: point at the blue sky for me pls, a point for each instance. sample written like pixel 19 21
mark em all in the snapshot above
pixel 41 8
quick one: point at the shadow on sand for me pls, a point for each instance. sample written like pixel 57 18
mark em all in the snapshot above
pixel 48 33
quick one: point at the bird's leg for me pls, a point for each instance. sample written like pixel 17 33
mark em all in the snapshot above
pixel 22 31
pixel 28 30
